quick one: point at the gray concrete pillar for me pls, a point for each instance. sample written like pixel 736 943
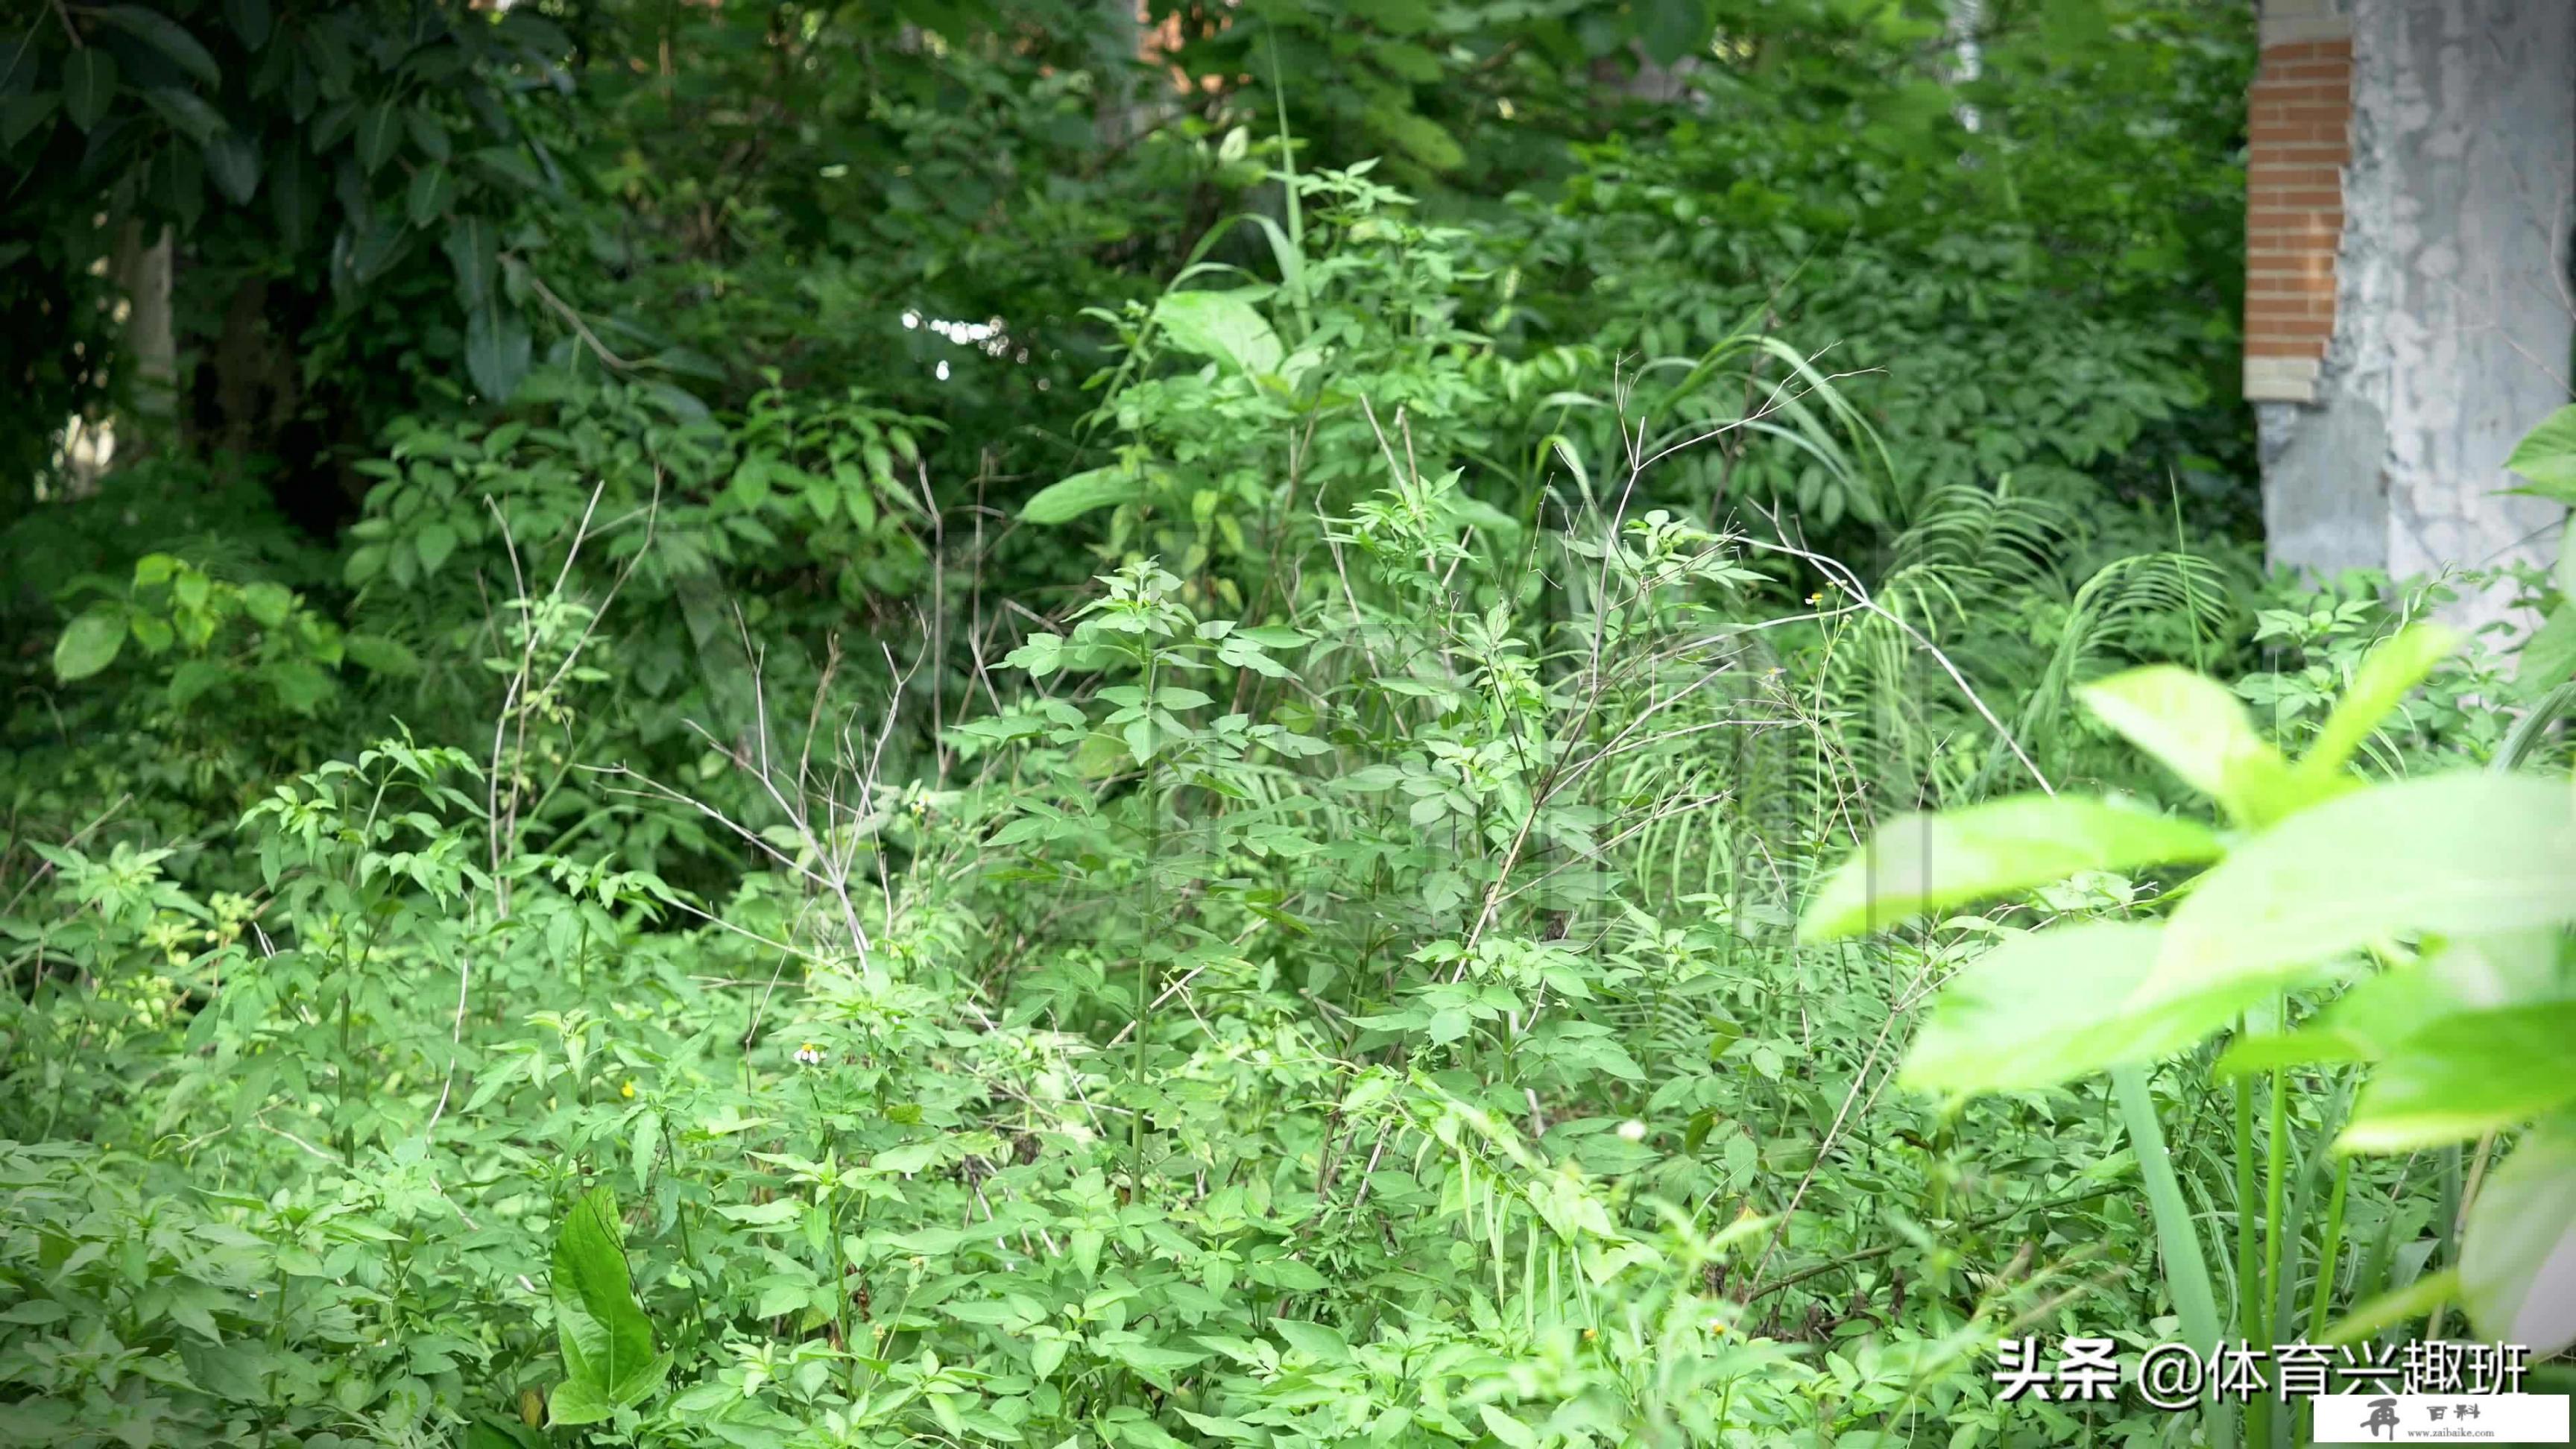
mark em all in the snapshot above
pixel 2453 317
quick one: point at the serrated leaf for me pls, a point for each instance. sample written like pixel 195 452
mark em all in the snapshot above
pixel 1918 863
pixel 1064 501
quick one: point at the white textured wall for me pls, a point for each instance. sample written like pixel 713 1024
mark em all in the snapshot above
pixel 2454 322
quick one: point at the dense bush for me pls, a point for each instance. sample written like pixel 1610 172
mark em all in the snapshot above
pixel 913 736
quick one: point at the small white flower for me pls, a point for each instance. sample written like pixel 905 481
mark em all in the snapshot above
pixel 809 1055
pixel 1633 1130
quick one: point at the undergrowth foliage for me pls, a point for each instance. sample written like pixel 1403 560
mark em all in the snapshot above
pixel 1414 874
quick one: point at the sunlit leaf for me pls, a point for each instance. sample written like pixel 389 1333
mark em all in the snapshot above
pixel 1070 498
pixel 2380 1012
pixel 2518 1254
pixel 1219 325
pixel 90 643
pixel 605 1339
pixel 2472 1072
pixel 1918 863
pixel 2460 854
pixel 2048 1007
pixel 2547 456
pixel 2198 729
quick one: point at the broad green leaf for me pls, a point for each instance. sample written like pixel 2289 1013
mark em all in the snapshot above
pixel 250 21
pixel 2548 658
pixel 232 160
pixel 432 188
pixel 2379 1013
pixel 1918 863
pixel 1064 501
pixel 1315 1340
pixel 380 655
pixel 90 643
pixel 606 1341
pixel 428 132
pixel 1510 1431
pixel 2518 1255
pixel 1671 29
pixel 268 602
pixel 21 114
pixel 2472 1072
pixel 575 1402
pixel 910 1157
pixel 193 678
pixel 166 36
pixel 2460 854
pixel 187 113
pixel 1220 325
pixel 2385 677
pixel 473 249
pixel 89 85
pixel 435 542
pixel 380 132
pixel 2547 456
pixel 497 350
pixel 2050 1006
pixel 2198 729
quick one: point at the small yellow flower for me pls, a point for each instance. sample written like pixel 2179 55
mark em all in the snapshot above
pixel 1817 597
pixel 627 1091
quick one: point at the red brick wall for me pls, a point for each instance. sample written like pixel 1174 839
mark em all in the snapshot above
pixel 2300 111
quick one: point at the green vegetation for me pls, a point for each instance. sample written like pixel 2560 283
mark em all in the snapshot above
pixel 1499 725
